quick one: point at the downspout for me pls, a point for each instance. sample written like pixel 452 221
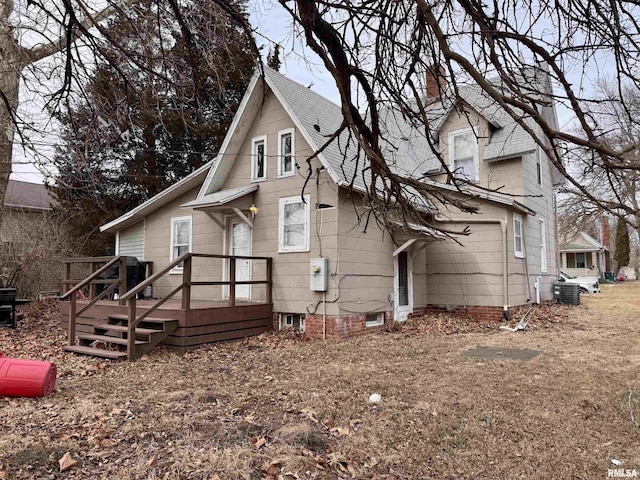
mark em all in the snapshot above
pixel 505 264
pixel 526 265
pixel 324 315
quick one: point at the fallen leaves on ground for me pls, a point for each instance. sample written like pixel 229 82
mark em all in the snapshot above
pixel 544 315
pixel 281 406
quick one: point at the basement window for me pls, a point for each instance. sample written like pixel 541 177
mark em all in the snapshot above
pixel 293 321
pixel 374 319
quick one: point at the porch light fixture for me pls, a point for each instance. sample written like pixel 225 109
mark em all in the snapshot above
pixel 253 209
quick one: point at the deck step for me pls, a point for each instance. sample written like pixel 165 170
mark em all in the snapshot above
pixel 125 329
pixel 96 352
pixel 107 339
pixel 125 318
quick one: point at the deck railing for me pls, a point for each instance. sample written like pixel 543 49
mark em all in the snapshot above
pixel 71 290
pixel 130 297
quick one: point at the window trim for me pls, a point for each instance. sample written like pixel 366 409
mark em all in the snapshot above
pixel 281 134
pixel 476 153
pixel 544 267
pixel 287 200
pixel 518 253
pixel 174 220
pixel 254 158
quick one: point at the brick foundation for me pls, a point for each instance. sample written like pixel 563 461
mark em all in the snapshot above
pixel 337 327
pixel 477 313
pixel 345 326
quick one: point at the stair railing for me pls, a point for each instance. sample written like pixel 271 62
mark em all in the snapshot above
pixel 91 280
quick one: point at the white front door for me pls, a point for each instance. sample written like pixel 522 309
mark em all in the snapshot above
pixel 240 244
pixel 403 286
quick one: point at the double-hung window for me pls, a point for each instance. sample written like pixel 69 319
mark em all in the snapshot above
pixel 259 158
pixel 286 148
pixel 518 246
pixel 180 239
pixel 463 153
pixel 294 224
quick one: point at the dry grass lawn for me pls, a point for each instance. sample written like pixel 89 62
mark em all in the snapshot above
pixel 279 407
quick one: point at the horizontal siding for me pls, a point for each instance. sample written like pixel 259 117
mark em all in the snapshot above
pixel 131 241
pixel 365 261
pixel 291 291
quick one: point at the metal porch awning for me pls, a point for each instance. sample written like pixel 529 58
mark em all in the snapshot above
pixel 218 201
pixel 425 236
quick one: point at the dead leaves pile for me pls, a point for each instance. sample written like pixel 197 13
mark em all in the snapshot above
pixel 545 315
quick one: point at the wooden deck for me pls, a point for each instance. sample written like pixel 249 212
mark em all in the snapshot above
pixel 204 322
pixel 175 320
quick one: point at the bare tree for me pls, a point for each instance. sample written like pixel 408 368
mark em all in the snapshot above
pixel 378 52
pixel 65 39
pixel 29 33
pixel 616 191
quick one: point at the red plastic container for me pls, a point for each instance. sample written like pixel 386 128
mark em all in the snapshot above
pixel 26 378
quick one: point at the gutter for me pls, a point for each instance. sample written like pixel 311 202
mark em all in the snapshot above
pixel 28 207
pixel 505 267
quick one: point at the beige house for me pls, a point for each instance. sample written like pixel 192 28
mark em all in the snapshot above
pixel 584 256
pixel 329 277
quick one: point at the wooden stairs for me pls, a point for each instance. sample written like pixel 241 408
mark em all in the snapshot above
pixel 113 335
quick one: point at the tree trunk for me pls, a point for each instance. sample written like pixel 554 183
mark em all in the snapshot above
pixel 11 65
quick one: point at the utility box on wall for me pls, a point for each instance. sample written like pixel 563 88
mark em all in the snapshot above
pixel 319 274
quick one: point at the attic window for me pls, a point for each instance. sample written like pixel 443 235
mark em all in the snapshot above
pixel 286 147
pixel 463 154
pixel 259 158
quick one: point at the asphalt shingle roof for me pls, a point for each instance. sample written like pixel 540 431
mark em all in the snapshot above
pixel 406 147
pixel 27 195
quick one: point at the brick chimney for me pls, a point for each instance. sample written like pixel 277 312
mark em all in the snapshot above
pixel 606 234
pixel 436 82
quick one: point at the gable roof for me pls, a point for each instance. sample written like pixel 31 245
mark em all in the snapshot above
pixel 181 187
pixel 592 244
pixel 317 118
pixel 27 195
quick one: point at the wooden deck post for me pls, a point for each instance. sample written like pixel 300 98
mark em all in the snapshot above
pixel 92 286
pixel 122 270
pixel 232 282
pixel 72 319
pixel 269 280
pixel 67 278
pixel 186 284
pixel 131 331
